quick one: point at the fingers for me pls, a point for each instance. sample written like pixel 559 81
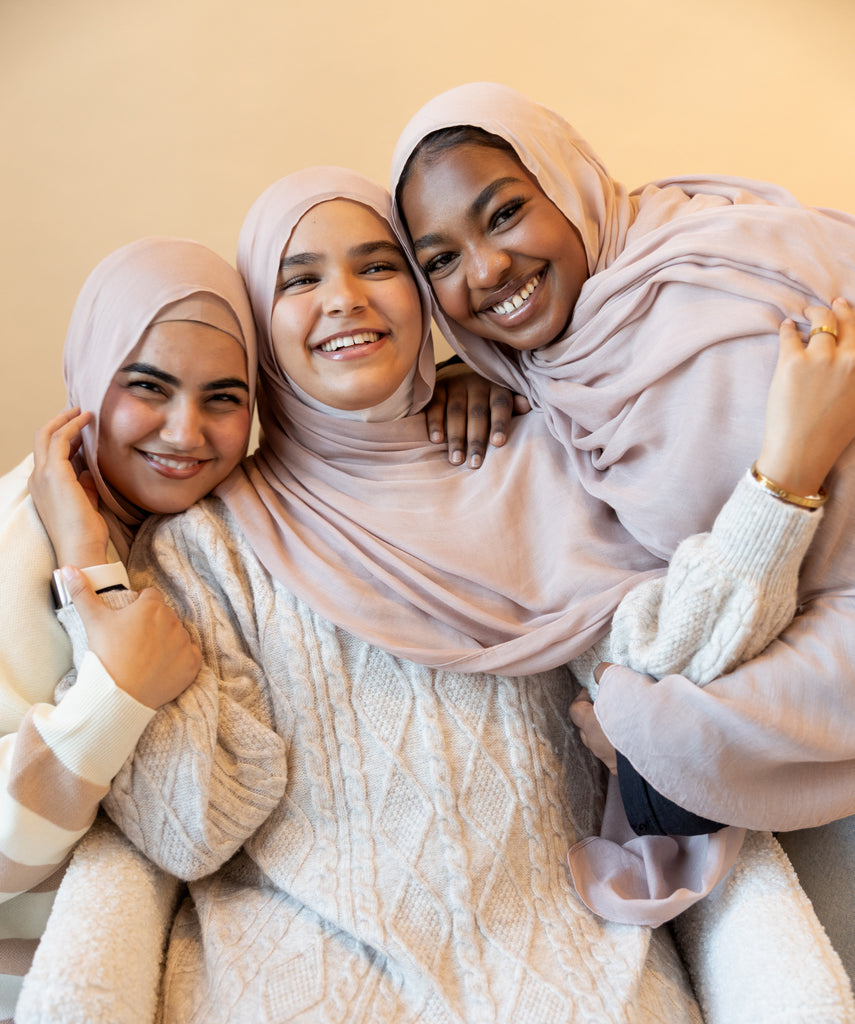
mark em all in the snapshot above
pixel 459 407
pixel 80 590
pixel 60 434
pixel 845 324
pixel 435 413
pixel 501 410
pixel 470 413
pixel 822 335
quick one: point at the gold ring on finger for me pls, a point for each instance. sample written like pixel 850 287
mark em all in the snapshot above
pixel 822 329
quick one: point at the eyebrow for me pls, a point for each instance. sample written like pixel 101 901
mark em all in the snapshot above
pixel 169 378
pixel 481 201
pixel 306 259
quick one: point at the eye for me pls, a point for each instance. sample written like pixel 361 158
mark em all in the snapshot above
pixel 436 264
pixel 506 212
pixel 381 267
pixel 227 398
pixel 146 388
pixel 297 282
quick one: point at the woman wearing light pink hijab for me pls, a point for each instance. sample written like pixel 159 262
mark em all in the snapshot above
pixel 654 380
pixel 58 761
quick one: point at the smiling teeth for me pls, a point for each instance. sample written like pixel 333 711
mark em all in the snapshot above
pixel 161 460
pixel 515 301
pixel 363 338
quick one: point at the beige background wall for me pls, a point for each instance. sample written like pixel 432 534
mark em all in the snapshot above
pixel 120 118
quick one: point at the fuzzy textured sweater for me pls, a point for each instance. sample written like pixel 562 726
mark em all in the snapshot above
pixel 390 840
pixel 369 839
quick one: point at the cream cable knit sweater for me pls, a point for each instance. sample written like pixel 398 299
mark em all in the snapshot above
pixel 368 840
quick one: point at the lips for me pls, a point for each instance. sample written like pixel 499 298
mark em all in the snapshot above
pixel 349 341
pixel 511 303
pixel 172 465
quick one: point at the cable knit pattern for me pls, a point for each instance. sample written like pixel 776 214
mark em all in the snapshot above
pixel 727 594
pixel 405 858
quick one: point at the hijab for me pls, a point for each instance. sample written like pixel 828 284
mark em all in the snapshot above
pixel 510 568
pixel 152 280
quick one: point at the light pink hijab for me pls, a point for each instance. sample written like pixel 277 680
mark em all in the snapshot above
pixel 657 393
pixel 148 281
pixel 511 568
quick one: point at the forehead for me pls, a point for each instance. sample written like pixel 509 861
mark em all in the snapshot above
pixel 337 225
pixel 456 177
pixel 185 347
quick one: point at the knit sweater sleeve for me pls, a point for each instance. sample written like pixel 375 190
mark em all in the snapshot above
pixel 56 763
pixel 210 767
pixel 727 594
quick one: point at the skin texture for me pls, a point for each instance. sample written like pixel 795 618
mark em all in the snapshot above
pixel 344 275
pixel 186 402
pixel 483 232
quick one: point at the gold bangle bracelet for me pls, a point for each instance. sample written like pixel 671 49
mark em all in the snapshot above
pixel 803 501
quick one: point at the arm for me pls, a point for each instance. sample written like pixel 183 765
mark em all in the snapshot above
pixel 777 731
pixel 60 761
pixel 210 767
pixel 729 593
pixel 57 762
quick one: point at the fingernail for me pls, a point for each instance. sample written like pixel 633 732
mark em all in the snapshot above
pixel 456 458
pixel 436 435
pixel 474 461
pixel 498 438
pixel 68 572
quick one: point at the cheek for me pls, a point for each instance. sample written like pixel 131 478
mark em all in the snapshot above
pixel 288 326
pixel 450 297
pixel 232 436
pixel 123 423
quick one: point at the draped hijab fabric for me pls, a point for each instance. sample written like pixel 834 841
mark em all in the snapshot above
pixel 153 279
pixel 657 391
pixel 511 568
pixel 657 388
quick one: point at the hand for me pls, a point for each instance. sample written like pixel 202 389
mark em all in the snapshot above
pixel 67 506
pixel 810 413
pixel 143 646
pixel 584 718
pixel 469 409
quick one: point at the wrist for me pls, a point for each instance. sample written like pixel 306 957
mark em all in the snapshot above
pixel 82 555
pixel 792 490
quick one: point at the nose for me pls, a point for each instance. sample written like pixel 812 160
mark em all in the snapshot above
pixel 486 265
pixel 182 426
pixel 343 295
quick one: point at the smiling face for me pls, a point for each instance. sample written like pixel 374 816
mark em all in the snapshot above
pixel 502 259
pixel 347 320
pixel 175 420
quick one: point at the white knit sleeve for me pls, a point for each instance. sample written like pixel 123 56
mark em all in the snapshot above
pixel 209 768
pixel 727 594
